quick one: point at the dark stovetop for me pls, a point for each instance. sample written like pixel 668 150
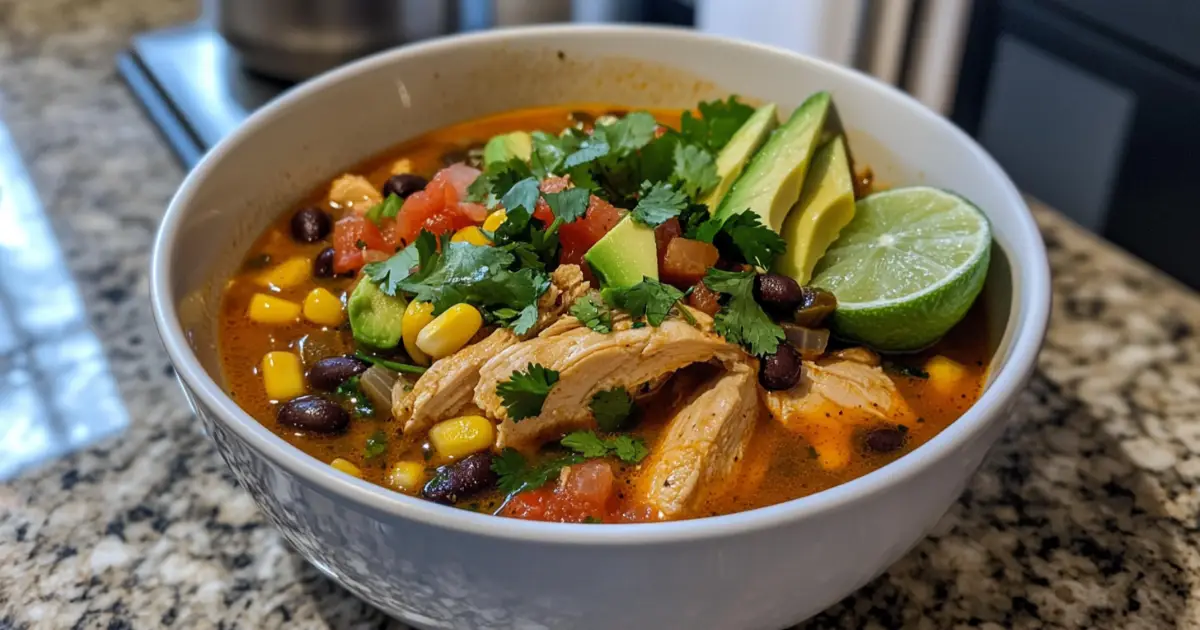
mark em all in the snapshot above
pixel 192 86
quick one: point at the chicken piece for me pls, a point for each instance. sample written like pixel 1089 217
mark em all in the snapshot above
pixel 354 191
pixel 588 362
pixel 834 397
pixel 446 388
pixel 703 445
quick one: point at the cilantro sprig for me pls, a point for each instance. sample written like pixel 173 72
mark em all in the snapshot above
pixel 624 447
pixel 591 311
pixel 658 203
pixel 741 320
pixel 739 236
pixel 525 392
pixel 717 123
pixel 351 392
pixel 612 408
pixel 517 475
pixel 649 298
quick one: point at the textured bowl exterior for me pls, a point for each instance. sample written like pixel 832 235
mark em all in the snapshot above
pixel 436 567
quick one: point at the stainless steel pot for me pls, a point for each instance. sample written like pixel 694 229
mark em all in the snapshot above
pixel 296 39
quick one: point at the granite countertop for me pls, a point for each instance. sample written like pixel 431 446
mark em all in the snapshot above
pixel 1084 516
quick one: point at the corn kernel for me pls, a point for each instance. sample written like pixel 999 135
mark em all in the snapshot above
pixel 472 235
pixel 461 436
pixel 346 467
pixel 283 377
pixel 945 374
pixel 493 220
pixel 268 309
pixel 322 307
pixel 408 477
pixel 450 331
pixel 416 317
pixel 287 274
pixel 403 166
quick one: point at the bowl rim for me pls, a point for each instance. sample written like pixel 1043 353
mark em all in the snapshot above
pixel 1031 276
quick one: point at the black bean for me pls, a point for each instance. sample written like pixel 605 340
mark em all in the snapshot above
pixel 581 117
pixel 310 225
pixel 884 440
pixel 778 292
pixel 780 370
pixel 403 185
pixel 330 372
pixel 461 479
pixel 313 413
pixel 323 263
pixel 814 306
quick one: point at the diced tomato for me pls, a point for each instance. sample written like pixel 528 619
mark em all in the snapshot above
pixel 578 237
pixel 437 208
pixel 686 262
pixel 476 212
pixel 586 492
pixel 352 235
pixel 704 299
pixel 663 235
pixel 458 176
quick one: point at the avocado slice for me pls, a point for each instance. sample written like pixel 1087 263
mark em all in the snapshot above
pixel 826 205
pixel 624 256
pixel 505 147
pixel 375 316
pixel 741 147
pixel 771 183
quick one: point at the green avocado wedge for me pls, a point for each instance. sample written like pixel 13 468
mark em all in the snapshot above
pixel 826 205
pixel 625 255
pixel 374 315
pixel 740 149
pixel 770 185
pixel 504 147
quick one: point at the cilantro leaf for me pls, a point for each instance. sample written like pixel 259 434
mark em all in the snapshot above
pixel 695 171
pixel 586 443
pixel 524 392
pixel 570 204
pixel 377 444
pixel 612 408
pixel 516 476
pixel 497 179
pixel 523 194
pixel 758 244
pixel 659 202
pixel 352 393
pixel 536 247
pixel 649 298
pixel 593 313
pixel 477 275
pixel 717 123
pixel 388 274
pixel 550 151
pixel 589 150
pixel 628 134
pixel 741 320
pixel 627 448
pixel 692 218
pixel 386 209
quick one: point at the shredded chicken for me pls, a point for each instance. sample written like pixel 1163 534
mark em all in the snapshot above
pixel 447 387
pixel 588 362
pixel 704 444
pixel 835 395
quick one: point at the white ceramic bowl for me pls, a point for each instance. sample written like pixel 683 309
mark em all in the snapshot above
pixel 438 567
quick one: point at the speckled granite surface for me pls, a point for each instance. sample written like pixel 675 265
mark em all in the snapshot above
pixel 1084 517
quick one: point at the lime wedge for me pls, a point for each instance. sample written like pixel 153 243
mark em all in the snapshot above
pixel 907 267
